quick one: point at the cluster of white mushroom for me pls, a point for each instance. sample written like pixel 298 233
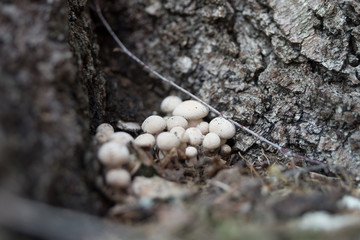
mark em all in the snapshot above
pixel 183 127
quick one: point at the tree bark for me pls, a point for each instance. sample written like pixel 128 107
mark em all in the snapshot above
pixel 286 69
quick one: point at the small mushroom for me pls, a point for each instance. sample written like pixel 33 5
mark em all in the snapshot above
pixel 170 103
pixel 204 127
pixel 211 141
pixel 154 124
pixel 193 136
pixel 121 137
pixel 102 137
pixel 225 150
pixel 176 121
pixel 222 127
pixel 191 110
pixel 105 127
pixel 113 154
pixel 119 178
pixel 145 140
pixel 179 132
pixel 165 141
pixel 103 132
pixel 191 153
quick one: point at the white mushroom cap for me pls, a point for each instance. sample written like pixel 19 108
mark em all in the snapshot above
pixel 225 149
pixel 166 141
pixel 118 178
pixel 191 152
pixel 145 140
pixel 222 127
pixel 170 103
pixel 193 136
pixel 113 154
pixel 211 141
pixel 105 127
pixel 179 132
pixel 191 110
pixel 204 127
pixel 154 124
pixel 121 137
pixel 176 121
pixel 103 137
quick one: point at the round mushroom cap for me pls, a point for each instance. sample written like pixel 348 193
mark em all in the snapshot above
pixel 211 141
pixel 191 152
pixel 204 127
pixel 170 103
pixel 105 127
pixel 113 154
pixel 179 132
pixel 121 137
pixel 176 121
pixel 145 140
pixel 166 141
pixel 193 136
pixel 222 127
pixel 118 178
pixel 191 110
pixel 225 150
pixel 102 137
pixel 154 124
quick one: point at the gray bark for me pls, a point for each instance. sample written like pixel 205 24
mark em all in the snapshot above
pixel 286 69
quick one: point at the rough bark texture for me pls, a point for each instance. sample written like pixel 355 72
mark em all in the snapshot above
pixel 286 69
pixel 50 96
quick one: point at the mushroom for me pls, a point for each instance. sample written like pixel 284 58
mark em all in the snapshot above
pixel 118 178
pixel 154 124
pixel 121 137
pixel 191 153
pixel 204 127
pixel 211 141
pixel 222 127
pixel 165 141
pixel 170 103
pixel 113 154
pixel 191 110
pixel 179 132
pixel 145 140
pixel 225 150
pixel 103 132
pixel 176 121
pixel 102 137
pixel 193 136
pixel 104 127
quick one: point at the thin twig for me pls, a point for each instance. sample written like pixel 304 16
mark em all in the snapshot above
pixel 286 152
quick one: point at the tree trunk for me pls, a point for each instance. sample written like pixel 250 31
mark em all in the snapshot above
pixel 286 69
